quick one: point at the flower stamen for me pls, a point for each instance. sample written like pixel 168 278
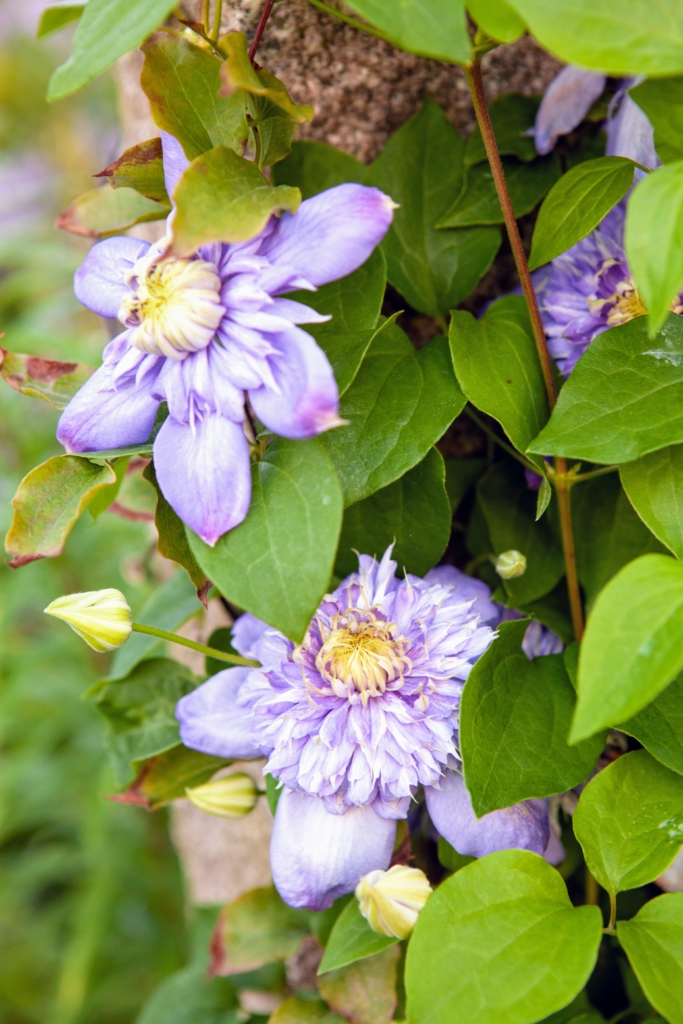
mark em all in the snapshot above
pixel 361 654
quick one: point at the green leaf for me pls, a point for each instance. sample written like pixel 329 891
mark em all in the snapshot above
pixel 103 499
pixel 352 939
pixel 461 474
pixel 579 1011
pixel 53 381
pixel 354 303
pixel 107 29
pixel 400 403
pixel 631 649
pixel 277 563
pixel 257 929
pixel 629 821
pixel 172 542
pixel 56 17
pixel 478 202
pixel 510 510
pixel 222 197
pixel 414 513
pixel 497 18
pixel 653 239
pixel 421 169
pixel 450 858
pixel 430 28
pixel 168 607
pixel 659 726
pixel 512 115
pixel 522 951
pixel 304 1011
pixel 498 369
pixel 619 37
pixel 117 453
pixel 654 485
pixel 514 721
pixel 653 942
pixel 623 399
pixel 48 502
pixel 662 101
pixel 103 211
pixel 364 991
pixel 314 166
pixel 607 532
pixel 165 777
pixel 577 204
pixel 140 712
pixel 182 83
pixel 141 168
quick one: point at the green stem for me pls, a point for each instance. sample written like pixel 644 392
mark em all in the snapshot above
pixel 592 890
pixel 205 15
pixel 210 652
pixel 217 21
pixel 498 440
pixel 349 21
pixel 593 473
pixel 612 912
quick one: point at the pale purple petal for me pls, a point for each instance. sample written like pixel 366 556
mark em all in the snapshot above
pixel 524 826
pixel 631 134
pixel 567 100
pixel 554 852
pixel 96 420
pixel 204 473
pixel 332 233
pixel 175 161
pixel 99 281
pixel 317 856
pixel 246 633
pixel 307 399
pixel 468 587
pixel 212 721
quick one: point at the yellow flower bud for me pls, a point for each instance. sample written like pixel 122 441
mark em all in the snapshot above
pixel 510 564
pixel 390 901
pixel 101 617
pixel 229 797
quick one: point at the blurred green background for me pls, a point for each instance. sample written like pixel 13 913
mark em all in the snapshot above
pixel 91 901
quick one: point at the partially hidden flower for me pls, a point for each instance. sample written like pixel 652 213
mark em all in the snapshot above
pixel 390 901
pixel 202 331
pixel 230 797
pixel 101 617
pixel 354 720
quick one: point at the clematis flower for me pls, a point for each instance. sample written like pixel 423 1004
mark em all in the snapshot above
pixel 354 720
pixel 202 331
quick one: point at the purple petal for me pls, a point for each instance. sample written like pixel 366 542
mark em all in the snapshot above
pixel 307 400
pixel 554 852
pixel 246 633
pixel 175 161
pixel 332 234
pixel 204 473
pixel 567 100
pixel 317 856
pixel 96 420
pixel 524 826
pixel 631 134
pixel 469 587
pixel 99 281
pixel 212 721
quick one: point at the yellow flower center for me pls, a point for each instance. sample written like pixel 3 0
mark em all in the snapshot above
pixel 175 308
pixel 361 653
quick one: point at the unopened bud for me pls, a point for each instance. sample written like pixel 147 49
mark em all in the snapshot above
pixel 510 564
pixel 101 617
pixel 230 797
pixel 390 901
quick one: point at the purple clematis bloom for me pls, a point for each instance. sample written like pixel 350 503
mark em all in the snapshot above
pixel 354 720
pixel 200 332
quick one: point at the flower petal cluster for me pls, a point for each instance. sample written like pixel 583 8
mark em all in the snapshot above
pixel 355 720
pixel 201 332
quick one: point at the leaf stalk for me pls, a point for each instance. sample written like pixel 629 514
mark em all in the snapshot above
pixel 209 652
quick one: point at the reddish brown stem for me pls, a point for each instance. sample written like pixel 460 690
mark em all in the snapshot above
pixel 476 86
pixel 260 28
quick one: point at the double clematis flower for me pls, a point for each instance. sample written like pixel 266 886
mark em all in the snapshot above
pixel 200 332
pixel 359 716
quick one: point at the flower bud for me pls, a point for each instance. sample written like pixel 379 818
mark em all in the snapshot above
pixel 510 564
pixel 101 617
pixel 390 901
pixel 229 797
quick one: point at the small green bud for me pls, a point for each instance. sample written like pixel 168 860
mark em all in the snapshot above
pixel 390 901
pixel 230 797
pixel 101 617
pixel 510 564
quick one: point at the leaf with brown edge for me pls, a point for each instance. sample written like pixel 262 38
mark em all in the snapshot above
pixel 173 543
pixel 256 929
pixel 48 503
pixel 141 168
pixel 165 777
pixel 49 379
pixel 104 211
pixel 238 72
pixel 365 991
